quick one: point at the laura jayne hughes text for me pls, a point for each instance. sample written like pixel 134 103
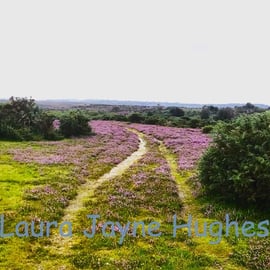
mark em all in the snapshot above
pixel 194 228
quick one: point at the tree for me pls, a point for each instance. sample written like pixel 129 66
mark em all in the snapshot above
pixel 115 109
pixel 18 119
pixel 45 126
pixel 205 113
pixel 74 123
pixel 225 114
pixel 177 112
pixel 213 109
pixel 22 112
pixel 135 118
pixel 247 108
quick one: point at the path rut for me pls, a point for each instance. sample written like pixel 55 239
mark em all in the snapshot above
pixel 61 245
pixel 87 188
pixel 220 252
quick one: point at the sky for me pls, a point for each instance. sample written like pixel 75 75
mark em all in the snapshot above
pixel 178 51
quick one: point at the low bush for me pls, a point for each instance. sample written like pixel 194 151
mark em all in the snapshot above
pixel 74 123
pixel 237 165
pixel 207 129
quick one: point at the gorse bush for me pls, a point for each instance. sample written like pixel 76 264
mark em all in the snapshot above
pixel 74 123
pixel 237 165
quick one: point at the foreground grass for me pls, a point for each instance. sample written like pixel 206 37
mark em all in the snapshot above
pixel 219 252
pixel 37 187
pixel 152 190
pixel 145 193
pixel 16 204
pixel 233 252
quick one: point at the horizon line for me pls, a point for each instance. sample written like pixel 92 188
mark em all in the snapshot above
pixel 134 101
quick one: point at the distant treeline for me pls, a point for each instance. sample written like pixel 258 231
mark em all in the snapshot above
pixel 23 119
pixel 204 118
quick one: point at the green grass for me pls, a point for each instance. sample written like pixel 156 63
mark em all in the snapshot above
pixel 15 180
pixel 35 192
pixel 154 200
pixel 142 193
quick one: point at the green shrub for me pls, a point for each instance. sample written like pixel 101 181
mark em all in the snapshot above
pixel 194 123
pixel 225 114
pixel 74 123
pixel 135 118
pixel 175 111
pixel 44 126
pixel 7 132
pixel 207 129
pixel 21 119
pixel 237 165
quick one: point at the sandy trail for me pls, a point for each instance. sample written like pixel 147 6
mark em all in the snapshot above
pixel 86 189
pixel 61 245
pixel 220 252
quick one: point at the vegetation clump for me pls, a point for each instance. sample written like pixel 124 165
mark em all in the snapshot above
pixel 74 123
pixel 21 119
pixel 237 165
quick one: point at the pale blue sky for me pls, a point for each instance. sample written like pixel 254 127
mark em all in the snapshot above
pixel 183 51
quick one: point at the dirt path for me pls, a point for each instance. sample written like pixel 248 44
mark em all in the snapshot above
pixel 220 252
pixel 60 246
pixel 184 190
pixel 88 188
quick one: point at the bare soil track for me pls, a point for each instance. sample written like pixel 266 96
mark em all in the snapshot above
pixel 61 245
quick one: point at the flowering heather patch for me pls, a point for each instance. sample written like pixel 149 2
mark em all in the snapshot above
pixel 36 192
pixel 49 196
pixel 63 165
pixel 187 143
pixel 65 152
pixel 136 191
pixel 111 144
pixel 120 141
pixel 145 192
pixel 56 124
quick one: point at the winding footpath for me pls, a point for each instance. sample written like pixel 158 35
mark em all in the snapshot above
pixel 60 246
pixel 88 188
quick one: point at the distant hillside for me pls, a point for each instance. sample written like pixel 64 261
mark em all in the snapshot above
pixel 67 103
pixel 137 103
